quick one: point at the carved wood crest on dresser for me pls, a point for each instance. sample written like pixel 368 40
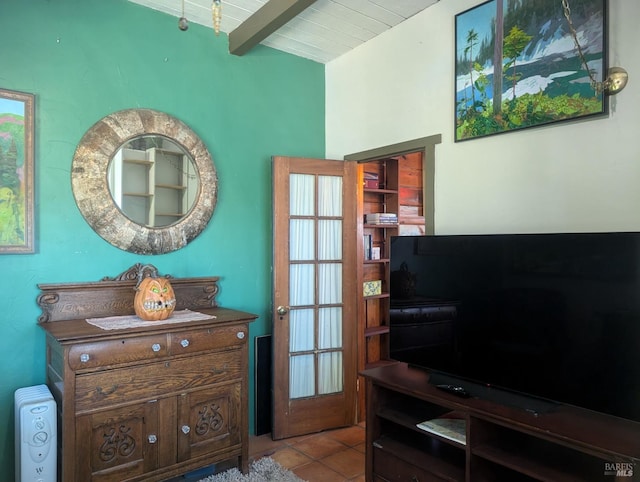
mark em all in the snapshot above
pixel 152 400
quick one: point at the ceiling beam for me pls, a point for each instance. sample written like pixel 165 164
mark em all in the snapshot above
pixel 269 18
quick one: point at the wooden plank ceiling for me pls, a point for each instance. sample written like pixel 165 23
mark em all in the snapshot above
pixel 320 30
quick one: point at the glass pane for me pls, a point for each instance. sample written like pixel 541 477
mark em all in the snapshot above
pixel 301 284
pixel 330 328
pixel 301 240
pixel 330 372
pixel 330 239
pixel 330 283
pixel 301 376
pixel 301 330
pixel 301 196
pixel 329 196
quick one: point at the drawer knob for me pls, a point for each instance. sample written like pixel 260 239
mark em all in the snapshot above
pixel 84 358
pixel 240 335
pixel 184 343
pixel 156 347
pixel 152 438
pixel 186 429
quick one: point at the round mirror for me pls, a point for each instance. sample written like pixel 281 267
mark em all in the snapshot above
pixel 153 181
pixel 144 181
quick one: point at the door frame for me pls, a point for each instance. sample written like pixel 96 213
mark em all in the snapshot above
pixel 427 146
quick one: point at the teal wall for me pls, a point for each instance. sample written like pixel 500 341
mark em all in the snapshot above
pixel 84 59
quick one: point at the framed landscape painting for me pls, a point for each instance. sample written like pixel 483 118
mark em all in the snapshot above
pixel 517 64
pixel 16 172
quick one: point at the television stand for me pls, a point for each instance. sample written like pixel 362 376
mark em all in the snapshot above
pixel 482 440
pixel 468 389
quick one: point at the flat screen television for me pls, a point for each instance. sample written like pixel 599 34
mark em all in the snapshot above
pixel 553 318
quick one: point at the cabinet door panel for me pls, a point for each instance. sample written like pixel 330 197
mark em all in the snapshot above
pixel 117 444
pixel 209 420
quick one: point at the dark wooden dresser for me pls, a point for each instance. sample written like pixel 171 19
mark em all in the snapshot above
pixel 149 402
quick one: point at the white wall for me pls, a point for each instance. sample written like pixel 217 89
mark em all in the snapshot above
pixel 576 176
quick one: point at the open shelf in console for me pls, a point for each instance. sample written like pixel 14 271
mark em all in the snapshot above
pixel 531 454
pixel 404 410
pixel 406 455
pixel 402 451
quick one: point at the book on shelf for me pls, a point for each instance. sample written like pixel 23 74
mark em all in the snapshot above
pixel 450 427
pixel 368 244
pixel 381 218
pixel 373 176
pixel 371 180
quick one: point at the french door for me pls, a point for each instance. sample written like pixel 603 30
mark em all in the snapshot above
pixel 314 295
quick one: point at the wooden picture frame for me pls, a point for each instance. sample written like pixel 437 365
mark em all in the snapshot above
pixel 542 76
pixel 16 172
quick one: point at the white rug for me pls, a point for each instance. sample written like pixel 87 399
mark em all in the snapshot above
pixel 262 470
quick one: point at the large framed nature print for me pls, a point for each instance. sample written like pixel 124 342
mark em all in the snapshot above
pixel 16 172
pixel 526 63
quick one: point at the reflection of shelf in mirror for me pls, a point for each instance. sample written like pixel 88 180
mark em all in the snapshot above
pixel 169 151
pixel 137 161
pixel 173 215
pixel 172 186
pixel 137 194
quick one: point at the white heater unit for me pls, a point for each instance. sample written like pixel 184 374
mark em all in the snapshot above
pixel 36 435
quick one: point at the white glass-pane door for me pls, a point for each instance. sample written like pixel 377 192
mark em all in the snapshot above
pixel 315 285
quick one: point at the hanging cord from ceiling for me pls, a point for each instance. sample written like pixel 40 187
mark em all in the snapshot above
pixel 216 13
pixel 183 23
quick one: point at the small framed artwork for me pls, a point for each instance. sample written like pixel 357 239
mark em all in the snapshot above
pixel 16 172
pixel 528 63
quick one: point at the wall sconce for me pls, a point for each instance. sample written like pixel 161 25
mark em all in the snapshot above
pixel 615 81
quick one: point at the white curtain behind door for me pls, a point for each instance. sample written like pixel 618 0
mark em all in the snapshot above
pixel 315 285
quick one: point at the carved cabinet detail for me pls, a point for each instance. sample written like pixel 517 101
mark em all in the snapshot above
pixel 209 421
pixel 118 443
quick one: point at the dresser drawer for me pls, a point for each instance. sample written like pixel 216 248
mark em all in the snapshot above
pixel 146 382
pixel 208 339
pixel 113 352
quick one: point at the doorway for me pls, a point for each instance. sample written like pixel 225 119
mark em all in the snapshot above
pixel 393 166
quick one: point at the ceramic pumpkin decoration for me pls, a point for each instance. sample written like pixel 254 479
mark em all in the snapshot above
pixel 155 299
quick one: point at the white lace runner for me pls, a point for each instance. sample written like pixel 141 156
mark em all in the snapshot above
pixel 133 321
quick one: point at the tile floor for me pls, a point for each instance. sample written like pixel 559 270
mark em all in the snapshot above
pixel 331 456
